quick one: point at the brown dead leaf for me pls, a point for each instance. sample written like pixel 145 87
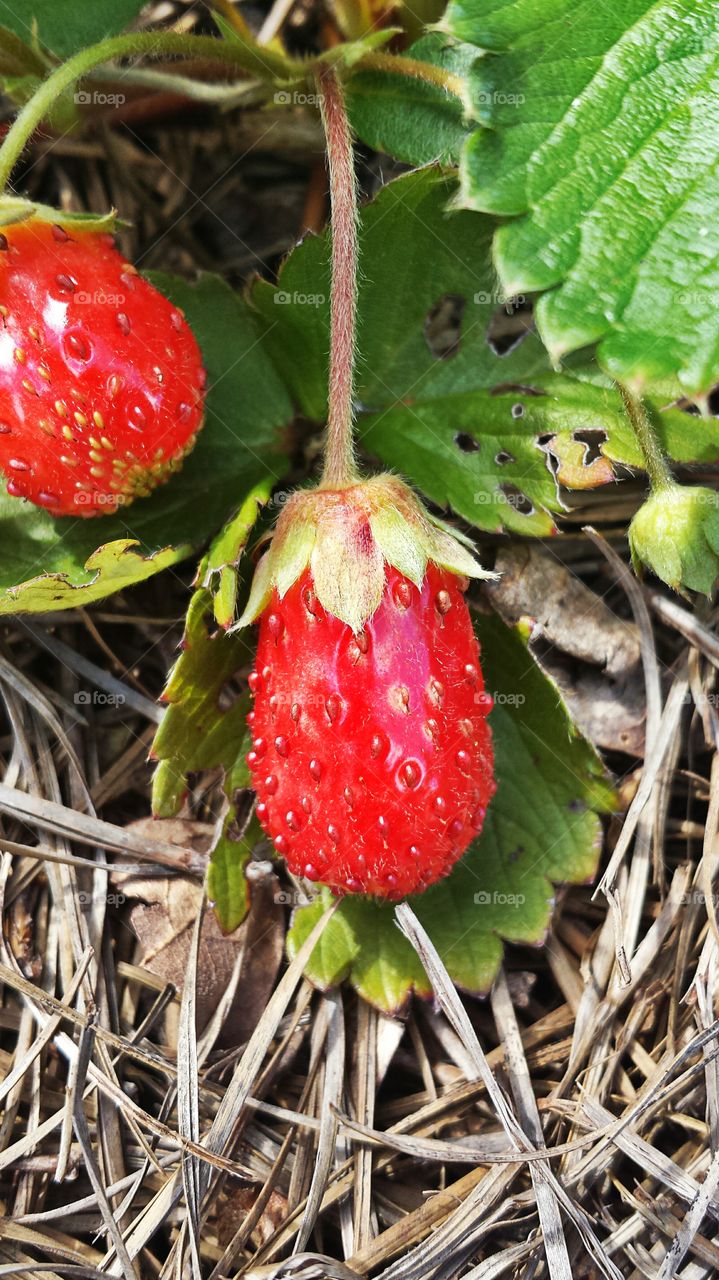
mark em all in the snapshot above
pixel 235 1205
pixel 591 653
pixel 580 462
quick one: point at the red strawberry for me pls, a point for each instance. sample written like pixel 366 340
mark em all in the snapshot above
pixel 100 376
pixel 372 756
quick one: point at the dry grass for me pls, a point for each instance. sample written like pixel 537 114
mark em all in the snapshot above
pixel 176 1103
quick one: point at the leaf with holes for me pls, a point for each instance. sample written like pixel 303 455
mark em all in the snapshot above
pixel 52 563
pixel 543 826
pixel 409 118
pixel 454 388
pixel 598 140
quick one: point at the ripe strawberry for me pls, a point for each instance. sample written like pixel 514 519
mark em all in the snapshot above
pixel 372 756
pixel 101 379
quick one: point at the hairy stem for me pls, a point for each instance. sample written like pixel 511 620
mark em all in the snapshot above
pixel 340 470
pixel 265 63
pixel 655 462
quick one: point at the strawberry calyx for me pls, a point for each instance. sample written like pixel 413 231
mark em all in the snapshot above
pixel 347 537
pixel 15 209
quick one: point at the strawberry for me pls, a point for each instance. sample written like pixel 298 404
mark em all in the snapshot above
pixel 101 379
pixel 371 754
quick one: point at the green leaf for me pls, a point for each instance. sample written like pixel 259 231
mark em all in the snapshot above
pixel 542 827
pixel 227 887
pixel 408 118
pixel 471 429
pixel 598 138
pixel 64 26
pixel 61 563
pixel 196 732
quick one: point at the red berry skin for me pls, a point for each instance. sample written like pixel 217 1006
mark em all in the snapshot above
pixel 372 755
pixel 101 379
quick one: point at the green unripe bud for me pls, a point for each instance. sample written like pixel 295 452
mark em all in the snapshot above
pixel 676 535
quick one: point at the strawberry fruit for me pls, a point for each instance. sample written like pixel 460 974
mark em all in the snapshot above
pixel 371 754
pixel 101 379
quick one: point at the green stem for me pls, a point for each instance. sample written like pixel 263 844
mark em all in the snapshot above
pixel 655 462
pixel 268 64
pixel 340 470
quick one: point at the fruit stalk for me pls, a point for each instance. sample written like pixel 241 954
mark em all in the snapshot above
pixel 655 462
pixel 340 470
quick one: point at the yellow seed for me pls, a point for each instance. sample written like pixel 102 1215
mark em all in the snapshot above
pixel 96 457
pixel 28 386
pixel 45 426
pixel 97 472
pixel 61 408
pixel 98 420
pixel 34 333
pixel 44 373
pixel 3 311
pixel 69 462
pixel 67 432
pixel 106 444
pixel 159 453
pixel 19 355
pixel 94 442
pixel 80 418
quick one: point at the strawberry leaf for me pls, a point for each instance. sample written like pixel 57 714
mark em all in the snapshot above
pixel 52 563
pixel 470 427
pixel 598 141
pixel 408 118
pixel 195 732
pixel 64 26
pixel 542 827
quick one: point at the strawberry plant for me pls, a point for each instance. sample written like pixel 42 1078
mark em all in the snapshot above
pixel 524 315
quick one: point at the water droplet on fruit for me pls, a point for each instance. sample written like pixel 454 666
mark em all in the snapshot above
pixel 261 810
pixel 281 746
pixel 48 499
pixel 443 601
pixel 14 489
pixel 315 769
pixel 270 784
pixel 76 347
pixel 333 832
pixel 439 804
pixel 123 323
pixel 275 626
pixel 259 747
pixel 348 797
pixel 383 825
pixel 310 871
pixel 252 759
pixel 464 760
pixel 68 284
pixel 333 707
pixel 254 681
pixel 306 804
pixel 281 844
pixel 379 746
pixel 402 595
pixel 431 728
pixel 410 773
pixel 59 233
pixel 455 828
pixel 353 884
pixel 184 410
pixel 18 464
pixel 273 704
pixel 478 817
pixel 390 880
pixel 414 852
pixel 295 711
pixel 292 820
pixel 176 320
pixel 471 673
pixel 5 430
pixel 114 384
pixel 266 673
